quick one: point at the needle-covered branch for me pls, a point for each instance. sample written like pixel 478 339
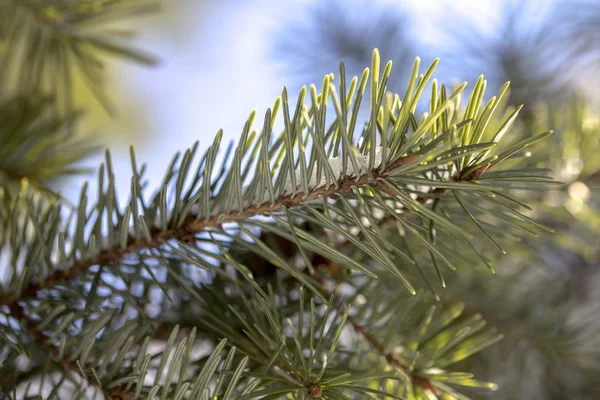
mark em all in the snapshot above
pixel 330 190
pixel 50 42
pixel 395 160
pixel 68 367
pixel 193 226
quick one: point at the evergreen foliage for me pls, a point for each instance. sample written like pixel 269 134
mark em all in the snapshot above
pixel 335 259
pixel 47 43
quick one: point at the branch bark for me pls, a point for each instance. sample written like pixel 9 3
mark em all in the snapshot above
pixel 392 359
pixel 193 225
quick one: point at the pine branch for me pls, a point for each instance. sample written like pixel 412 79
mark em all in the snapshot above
pixel 48 42
pixel 397 165
pixel 46 147
pixel 392 359
pixel 195 225
pixel 404 158
pixel 42 340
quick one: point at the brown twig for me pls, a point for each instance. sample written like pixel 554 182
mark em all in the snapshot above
pixel 38 336
pixel 392 359
pixel 195 224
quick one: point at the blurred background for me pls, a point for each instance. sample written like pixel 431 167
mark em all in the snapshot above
pixel 221 59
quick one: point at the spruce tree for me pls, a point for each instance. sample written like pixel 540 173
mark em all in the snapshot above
pixel 337 258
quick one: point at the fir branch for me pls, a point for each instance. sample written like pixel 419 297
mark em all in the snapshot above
pixel 195 225
pixel 392 359
pixel 48 42
pixel 38 143
pixel 42 340
pixel 432 148
pixel 395 158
